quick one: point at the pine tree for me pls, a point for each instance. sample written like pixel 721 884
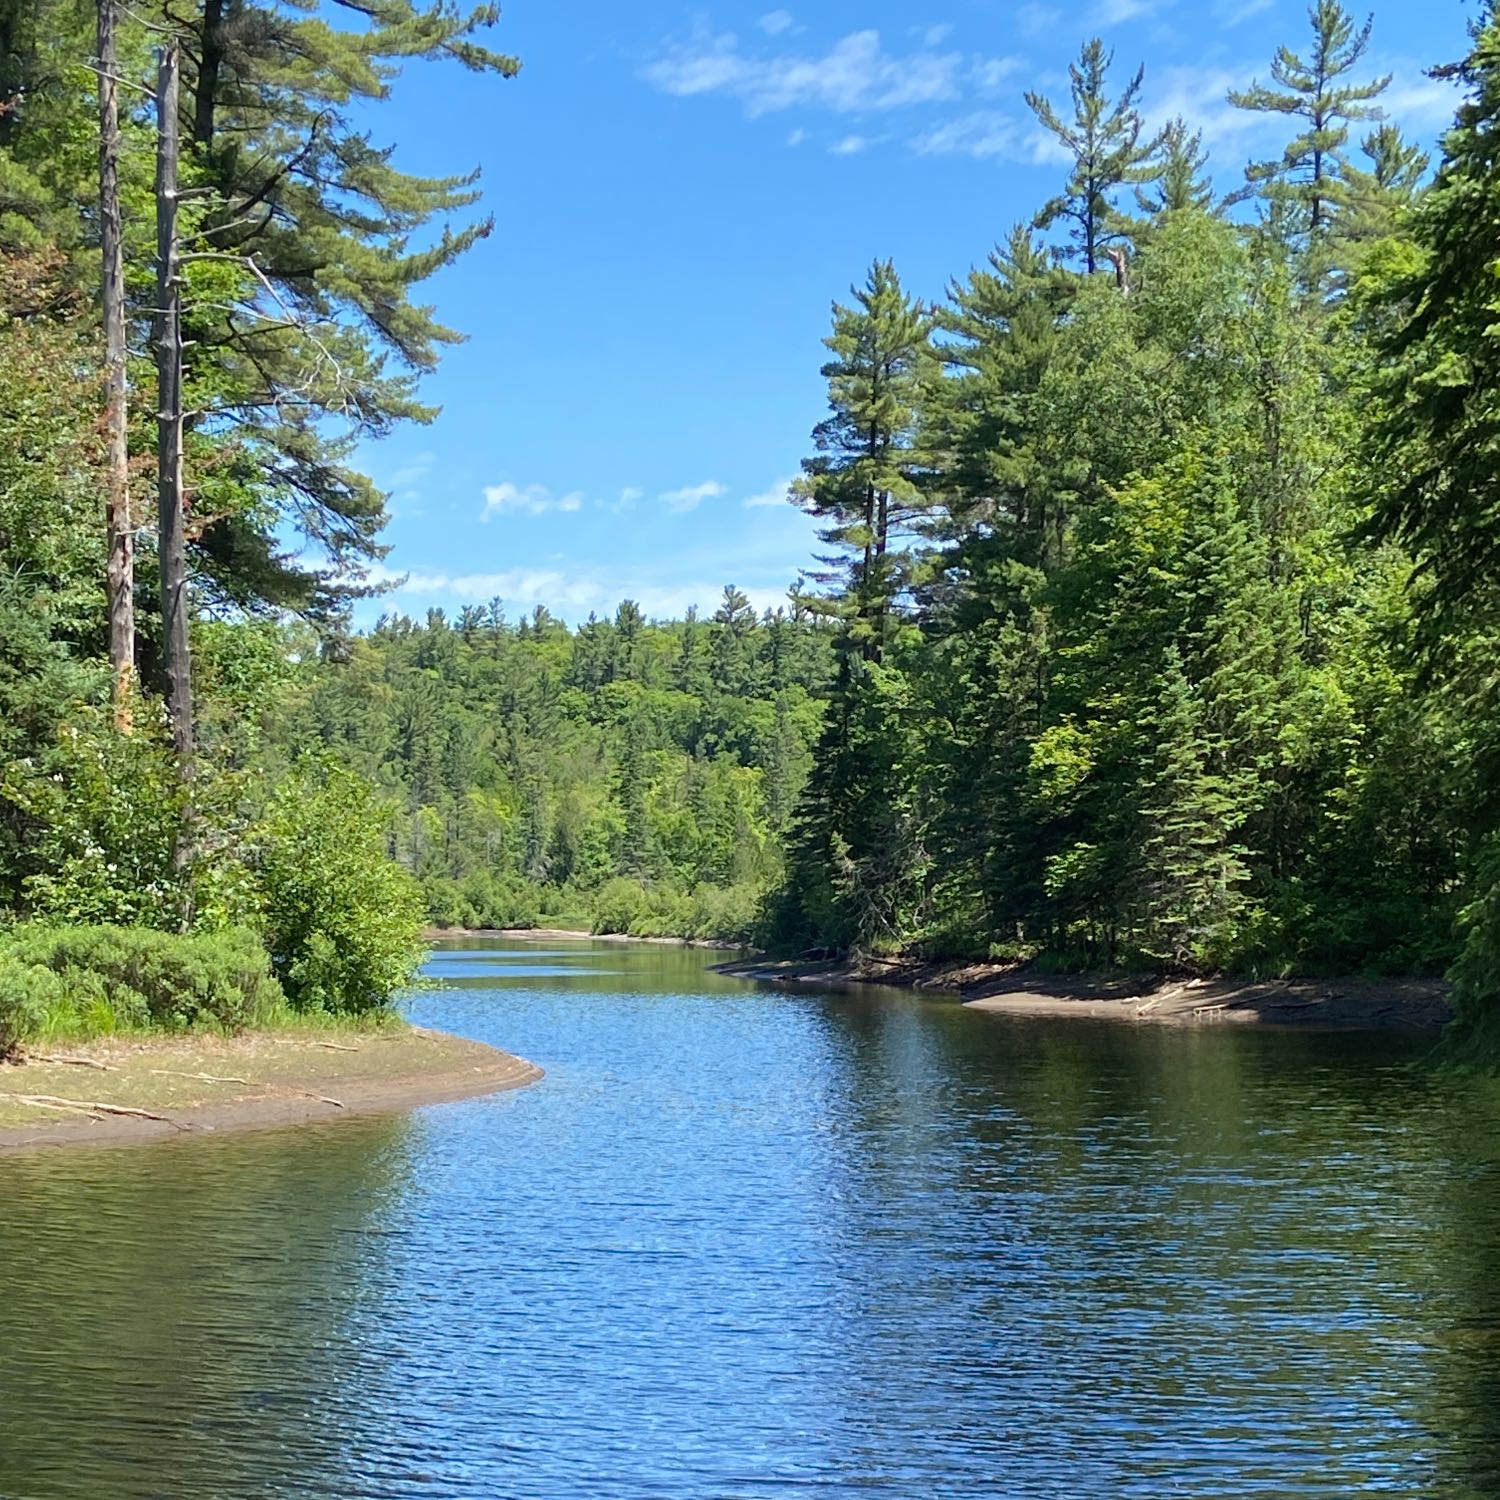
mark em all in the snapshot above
pixel 865 480
pixel 1109 149
pixel 1310 170
pixel 1181 184
pixel 306 232
pixel 1375 199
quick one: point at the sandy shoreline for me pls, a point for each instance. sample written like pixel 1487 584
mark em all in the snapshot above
pixel 207 1084
pixel 1354 1003
pixel 559 934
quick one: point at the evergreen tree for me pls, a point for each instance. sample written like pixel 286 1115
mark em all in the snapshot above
pixel 1181 184
pixel 865 480
pixel 1311 169
pixel 1108 147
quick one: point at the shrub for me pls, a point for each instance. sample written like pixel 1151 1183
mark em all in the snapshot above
pixel 342 921
pixel 29 996
pixel 128 978
pixel 620 905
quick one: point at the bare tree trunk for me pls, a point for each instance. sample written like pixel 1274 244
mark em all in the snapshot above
pixel 120 536
pixel 172 543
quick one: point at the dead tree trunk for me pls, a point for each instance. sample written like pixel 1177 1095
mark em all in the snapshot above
pixel 172 543
pixel 120 536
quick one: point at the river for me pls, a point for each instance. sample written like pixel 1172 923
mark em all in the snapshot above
pixel 747 1243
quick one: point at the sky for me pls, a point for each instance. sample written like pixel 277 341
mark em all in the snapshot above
pixel 680 192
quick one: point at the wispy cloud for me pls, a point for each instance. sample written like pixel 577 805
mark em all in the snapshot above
pixel 985 133
pixel 850 145
pixel 534 500
pixel 855 75
pixel 1416 102
pixel 1037 20
pixel 1115 12
pixel 1232 12
pixel 774 22
pixel 691 496
pixel 573 596
pixel 774 494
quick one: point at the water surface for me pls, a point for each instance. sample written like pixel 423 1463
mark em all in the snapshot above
pixel 745 1243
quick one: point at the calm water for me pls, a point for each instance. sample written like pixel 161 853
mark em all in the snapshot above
pixel 742 1243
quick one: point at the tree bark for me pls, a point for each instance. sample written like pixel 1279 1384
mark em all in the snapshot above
pixel 172 543
pixel 120 536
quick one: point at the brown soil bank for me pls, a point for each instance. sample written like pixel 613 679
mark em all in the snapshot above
pixel 1342 1003
pixel 157 1087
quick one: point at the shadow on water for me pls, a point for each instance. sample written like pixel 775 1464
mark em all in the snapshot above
pixel 745 1242
pixel 189 1318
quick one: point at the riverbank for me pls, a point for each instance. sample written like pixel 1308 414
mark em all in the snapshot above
pixel 149 1088
pixel 567 934
pixel 1420 1004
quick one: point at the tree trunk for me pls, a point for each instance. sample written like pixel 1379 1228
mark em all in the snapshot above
pixel 205 96
pixel 120 537
pixel 172 544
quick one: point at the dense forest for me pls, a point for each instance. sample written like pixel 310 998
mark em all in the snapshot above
pixel 1155 628
pixel 1166 553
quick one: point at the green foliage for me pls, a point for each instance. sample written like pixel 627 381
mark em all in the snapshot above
pixel 1106 143
pixel 341 920
pixel 105 978
pixel 1311 171
pixel 30 996
pixel 523 766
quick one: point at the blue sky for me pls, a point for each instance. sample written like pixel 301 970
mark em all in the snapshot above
pixel 679 194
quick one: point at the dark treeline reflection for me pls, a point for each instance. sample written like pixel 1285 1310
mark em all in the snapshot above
pixel 744 1241
pixel 188 1319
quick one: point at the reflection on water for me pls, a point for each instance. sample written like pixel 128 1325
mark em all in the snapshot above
pixel 742 1243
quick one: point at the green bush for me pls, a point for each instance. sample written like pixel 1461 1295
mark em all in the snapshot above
pixel 621 905
pixel 29 997
pixel 342 921
pixel 131 978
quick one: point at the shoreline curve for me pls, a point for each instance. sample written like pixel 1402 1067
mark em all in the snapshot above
pixel 1342 1004
pixel 308 1080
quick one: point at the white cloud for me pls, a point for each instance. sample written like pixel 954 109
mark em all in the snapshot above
pixel 570 596
pixel 851 145
pixel 1416 102
pixel 535 500
pixel 774 494
pixel 935 36
pixel 417 468
pixel 855 75
pixel 774 22
pixel 797 137
pixel 691 496
pixel 1113 12
pixel 992 74
pixel 1037 20
pixel 984 134
pixel 631 493
pixel 1232 12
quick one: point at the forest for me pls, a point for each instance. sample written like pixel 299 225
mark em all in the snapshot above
pixel 1155 628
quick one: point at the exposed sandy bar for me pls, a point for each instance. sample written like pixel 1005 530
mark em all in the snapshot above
pixel 569 934
pixel 290 1077
pixel 1332 1003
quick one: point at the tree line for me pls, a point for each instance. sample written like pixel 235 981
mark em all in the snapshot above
pixel 210 292
pixel 1163 555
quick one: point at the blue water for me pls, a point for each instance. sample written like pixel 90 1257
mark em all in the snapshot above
pixel 744 1243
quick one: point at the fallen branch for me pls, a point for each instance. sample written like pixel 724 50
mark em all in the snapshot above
pixel 72 1062
pixel 53 1101
pixel 207 1077
pixel 336 1046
